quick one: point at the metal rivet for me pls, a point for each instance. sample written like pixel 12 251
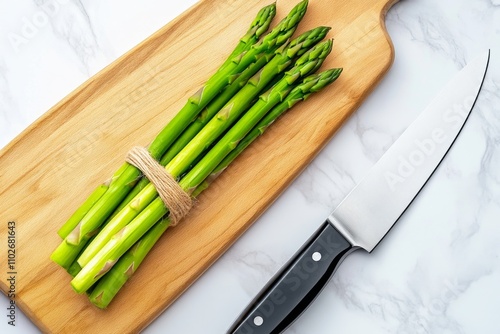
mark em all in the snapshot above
pixel 316 256
pixel 258 321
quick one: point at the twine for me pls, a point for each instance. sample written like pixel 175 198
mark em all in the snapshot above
pixel 173 196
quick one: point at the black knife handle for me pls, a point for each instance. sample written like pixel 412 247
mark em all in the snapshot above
pixel 297 284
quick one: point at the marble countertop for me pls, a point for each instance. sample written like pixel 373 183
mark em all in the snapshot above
pixel 438 271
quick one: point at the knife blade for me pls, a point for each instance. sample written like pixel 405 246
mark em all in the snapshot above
pixel 370 210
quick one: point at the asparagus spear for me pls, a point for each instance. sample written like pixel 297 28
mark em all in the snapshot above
pixel 214 128
pixel 91 200
pixel 119 189
pixel 104 260
pixel 82 210
pixel 109 285
pixel 306 41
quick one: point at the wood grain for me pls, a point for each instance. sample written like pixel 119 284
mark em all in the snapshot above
pixel 51 167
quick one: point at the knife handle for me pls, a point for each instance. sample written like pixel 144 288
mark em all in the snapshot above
pixel 296 285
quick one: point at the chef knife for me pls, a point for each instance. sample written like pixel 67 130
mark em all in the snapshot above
pixel 365 216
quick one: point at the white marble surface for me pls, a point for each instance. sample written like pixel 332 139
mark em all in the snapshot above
pixel 439 269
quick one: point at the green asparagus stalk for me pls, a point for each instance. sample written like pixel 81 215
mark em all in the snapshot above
pixel 305 41
pixel 109 285
pixel 91 200
pixel 82 210
pixel 117 191
pixel 214 128
pixel 104 260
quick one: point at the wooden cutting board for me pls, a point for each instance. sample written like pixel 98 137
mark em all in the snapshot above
pixel 51 167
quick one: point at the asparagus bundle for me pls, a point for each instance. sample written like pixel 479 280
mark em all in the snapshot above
pixel 108 237
pixel 109 285
pixel 127 179
pixel 122 240
pixel 258 27
pixel 66 252
pixel 96 210
pixel 213 129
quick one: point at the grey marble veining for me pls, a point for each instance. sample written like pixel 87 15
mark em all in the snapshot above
pixel 71 24
pixel 436 272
